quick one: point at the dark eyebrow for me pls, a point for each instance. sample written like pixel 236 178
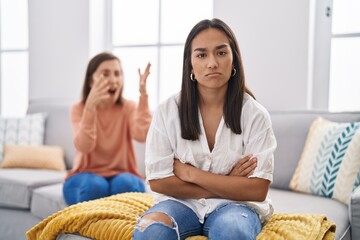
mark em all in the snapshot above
pixel 200 49
pixel 217 48
pixel 221 46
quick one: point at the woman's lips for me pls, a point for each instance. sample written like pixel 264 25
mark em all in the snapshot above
pixel 213 74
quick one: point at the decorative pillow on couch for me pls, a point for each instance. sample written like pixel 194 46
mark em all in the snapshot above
pixel 40 157
pixel 26 130
pixel 330 162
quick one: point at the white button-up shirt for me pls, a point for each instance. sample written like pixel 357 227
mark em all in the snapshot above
pixel 164 143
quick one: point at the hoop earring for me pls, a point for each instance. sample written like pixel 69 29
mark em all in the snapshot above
pixel 234 72
pixel 192 77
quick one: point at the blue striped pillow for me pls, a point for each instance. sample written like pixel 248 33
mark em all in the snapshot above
pixel 330 162
pixel 28 130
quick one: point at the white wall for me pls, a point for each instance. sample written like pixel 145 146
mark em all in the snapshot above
pixel 274 42
pixel 273 37
pixel 58 48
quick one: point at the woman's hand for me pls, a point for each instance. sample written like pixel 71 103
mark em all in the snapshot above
pixel 98 93
pixel 183 171
pixel 143 78
pixel 245 167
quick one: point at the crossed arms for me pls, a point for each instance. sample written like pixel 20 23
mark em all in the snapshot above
pixel 191 182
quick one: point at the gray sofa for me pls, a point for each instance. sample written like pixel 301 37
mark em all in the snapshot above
pixel 28 196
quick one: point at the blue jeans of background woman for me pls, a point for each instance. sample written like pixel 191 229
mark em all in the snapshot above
pixel 230 221
pixel 89 186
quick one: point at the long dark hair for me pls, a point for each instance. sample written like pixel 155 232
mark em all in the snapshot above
pixel 92 66
pixel 189 95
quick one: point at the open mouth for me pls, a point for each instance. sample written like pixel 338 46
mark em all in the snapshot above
pixel 112 91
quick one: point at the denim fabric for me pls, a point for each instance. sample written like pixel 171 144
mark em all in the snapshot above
pixel 230 221
pixel 88 186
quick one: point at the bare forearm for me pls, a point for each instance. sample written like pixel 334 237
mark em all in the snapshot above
pixel 231 187
pixel 175 187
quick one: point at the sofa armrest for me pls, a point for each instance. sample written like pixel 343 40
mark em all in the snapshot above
pixel 354 213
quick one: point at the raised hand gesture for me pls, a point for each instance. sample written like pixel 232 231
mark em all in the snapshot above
pixel 98 92
pixel 143 78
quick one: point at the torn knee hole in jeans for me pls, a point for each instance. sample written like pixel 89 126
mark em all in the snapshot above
pixel 245 215
pixel 144 223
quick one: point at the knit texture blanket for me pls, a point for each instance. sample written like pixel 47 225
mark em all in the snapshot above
pixel 115 217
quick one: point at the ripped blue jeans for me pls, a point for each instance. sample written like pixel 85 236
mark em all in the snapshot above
pixel 229 221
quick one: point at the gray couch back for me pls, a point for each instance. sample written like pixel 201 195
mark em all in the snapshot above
pixel 291 129
pixel 58 130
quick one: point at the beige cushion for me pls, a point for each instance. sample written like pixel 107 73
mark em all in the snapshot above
pixel 330 162
pixel 40 157
pixel 24 130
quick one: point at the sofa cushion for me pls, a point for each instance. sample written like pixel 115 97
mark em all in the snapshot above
pixel 291 129
pixel 39 157
pixel 47 200
pixel 15 222
pixel 354 211
pixel 330 162
pixel 17 185
pixel 25 130
pixel 285 201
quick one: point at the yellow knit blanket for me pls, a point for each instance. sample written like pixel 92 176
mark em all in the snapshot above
pixel 115 217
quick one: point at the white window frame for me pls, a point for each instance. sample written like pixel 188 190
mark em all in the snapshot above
pixel 110 47
pixel 322 38
pixel 321 50
pixel 20 50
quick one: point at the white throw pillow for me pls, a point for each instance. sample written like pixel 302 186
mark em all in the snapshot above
pixel 26 130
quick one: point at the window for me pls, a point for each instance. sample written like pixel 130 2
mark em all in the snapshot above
pixel 13 57
pixel 154 31
pixel 345 56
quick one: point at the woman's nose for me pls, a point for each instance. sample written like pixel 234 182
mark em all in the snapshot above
pixel 112 79
pixel 212 62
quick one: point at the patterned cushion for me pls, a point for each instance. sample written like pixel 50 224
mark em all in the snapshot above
pixel 27 130
pixel 330 162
